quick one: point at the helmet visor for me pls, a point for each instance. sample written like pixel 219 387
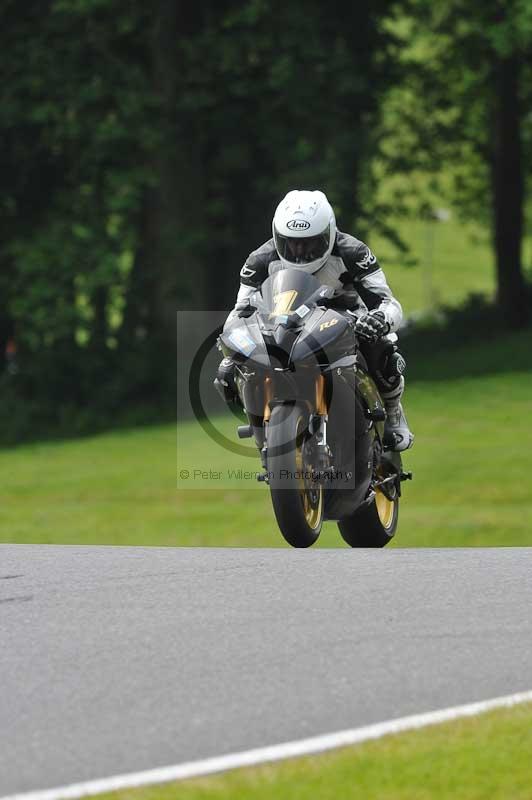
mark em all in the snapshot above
pixel 302 250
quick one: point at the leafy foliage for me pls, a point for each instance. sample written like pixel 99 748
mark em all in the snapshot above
pixel 440 119
pixel 75 101
pixel 143 150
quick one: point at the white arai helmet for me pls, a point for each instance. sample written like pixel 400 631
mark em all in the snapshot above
pixel 304 230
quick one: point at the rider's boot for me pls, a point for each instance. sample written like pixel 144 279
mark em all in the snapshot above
pixel 397 434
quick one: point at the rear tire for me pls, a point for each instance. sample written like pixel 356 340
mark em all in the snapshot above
pixel 373 525
pixel 297 502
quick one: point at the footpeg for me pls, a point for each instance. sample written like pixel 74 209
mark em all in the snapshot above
pixel 244 431
pixel 377 414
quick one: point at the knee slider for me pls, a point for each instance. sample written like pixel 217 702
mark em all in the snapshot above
pixel 391 369
pixel 395 365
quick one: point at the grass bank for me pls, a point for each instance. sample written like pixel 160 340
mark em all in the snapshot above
pixel 472 461
pixel 447 261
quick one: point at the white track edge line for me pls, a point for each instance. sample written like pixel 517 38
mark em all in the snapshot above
pixel 277 752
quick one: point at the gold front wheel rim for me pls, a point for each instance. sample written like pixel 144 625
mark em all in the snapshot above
pixel 385 509
pixel 313 512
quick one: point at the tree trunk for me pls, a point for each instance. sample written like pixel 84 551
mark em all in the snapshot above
pixel 174 202
pixel 99 324
pixel 167 274
pixel 7 331
pixel 508 190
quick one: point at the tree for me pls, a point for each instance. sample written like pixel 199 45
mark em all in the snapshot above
pixel 143 151
pixel 278 99
pixel 462 112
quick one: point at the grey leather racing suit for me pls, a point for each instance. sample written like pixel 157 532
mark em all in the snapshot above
pixel 351 269
pixel 354 273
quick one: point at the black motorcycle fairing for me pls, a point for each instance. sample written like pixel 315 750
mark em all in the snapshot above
pixel 270 336
pixel 326 337
pixel 351 437
pixel 371 400
pixel 242 341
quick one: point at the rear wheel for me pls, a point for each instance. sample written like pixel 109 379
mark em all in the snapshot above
pixel 373 525
pixel 296 498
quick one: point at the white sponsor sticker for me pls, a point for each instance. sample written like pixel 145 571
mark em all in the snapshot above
pixel 302 311
pixel 242 342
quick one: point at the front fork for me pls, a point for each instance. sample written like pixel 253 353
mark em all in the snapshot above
pixel 317 426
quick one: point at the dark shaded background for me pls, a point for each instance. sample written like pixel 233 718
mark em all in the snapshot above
pixel 144 148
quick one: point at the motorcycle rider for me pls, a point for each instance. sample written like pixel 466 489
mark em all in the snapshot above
pixel 305 237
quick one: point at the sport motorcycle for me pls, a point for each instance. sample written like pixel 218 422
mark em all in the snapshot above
pixel 314 411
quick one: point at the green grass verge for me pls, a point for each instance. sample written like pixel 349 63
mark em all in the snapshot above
pixel 483 758
pixel 472 461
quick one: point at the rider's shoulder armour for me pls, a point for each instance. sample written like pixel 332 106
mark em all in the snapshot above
pixel 358 259
pixel 255 270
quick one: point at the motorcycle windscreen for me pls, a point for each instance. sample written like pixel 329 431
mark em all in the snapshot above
pixel 286 290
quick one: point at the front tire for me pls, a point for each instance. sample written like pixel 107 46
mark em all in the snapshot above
pixel 373 525
pixel 297 500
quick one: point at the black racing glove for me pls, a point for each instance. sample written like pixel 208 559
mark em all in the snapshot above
pixel 372 326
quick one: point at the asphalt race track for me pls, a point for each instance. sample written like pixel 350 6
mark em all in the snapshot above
pixel 116 660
